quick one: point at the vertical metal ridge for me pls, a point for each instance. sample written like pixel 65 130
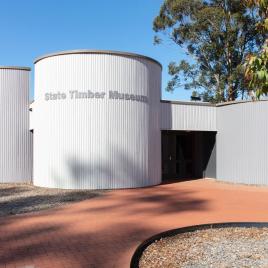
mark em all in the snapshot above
pixel 242 144
pixel 15 137
pixel 91 143
pixel 176 116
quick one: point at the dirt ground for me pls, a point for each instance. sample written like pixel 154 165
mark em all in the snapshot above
pixel 21 198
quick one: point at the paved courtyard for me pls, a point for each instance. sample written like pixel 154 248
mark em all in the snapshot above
pixel 104 231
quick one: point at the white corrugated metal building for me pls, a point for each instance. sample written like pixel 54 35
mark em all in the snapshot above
pixel 97 122
pixel 15 138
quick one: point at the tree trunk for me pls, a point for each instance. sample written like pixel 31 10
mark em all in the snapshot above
pixel 231 92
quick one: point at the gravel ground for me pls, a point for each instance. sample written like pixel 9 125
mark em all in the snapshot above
pixel 217 248
pixel 21 198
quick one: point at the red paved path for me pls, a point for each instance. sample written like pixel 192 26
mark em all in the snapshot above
pixel 104 232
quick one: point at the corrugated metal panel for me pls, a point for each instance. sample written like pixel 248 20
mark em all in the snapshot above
pixel 176 116
pixel 15 137
pixel 97 143
pixel 31 116
pixel 242 143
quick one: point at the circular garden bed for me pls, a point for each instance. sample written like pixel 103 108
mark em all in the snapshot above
pixel 213 245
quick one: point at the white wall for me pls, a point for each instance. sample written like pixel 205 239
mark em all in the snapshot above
pixel 188 116
pixel 242 143
pixel 15 138
pixel 97 143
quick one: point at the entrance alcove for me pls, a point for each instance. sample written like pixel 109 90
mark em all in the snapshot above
pixel 188 154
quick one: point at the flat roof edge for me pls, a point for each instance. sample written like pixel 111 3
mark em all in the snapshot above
pixel 201 103
pixel 189 103
pixel 93 51
pixel 16 68
pixel 211 104
pixel 238 102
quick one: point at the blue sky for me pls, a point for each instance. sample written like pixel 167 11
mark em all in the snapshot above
pixel 31 28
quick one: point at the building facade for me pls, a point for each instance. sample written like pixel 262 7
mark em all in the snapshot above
pixel 100 120
pixel 97 122
pixel 15 138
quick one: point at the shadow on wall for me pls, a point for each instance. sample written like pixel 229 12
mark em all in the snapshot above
pixel 166 115
pixel 120 170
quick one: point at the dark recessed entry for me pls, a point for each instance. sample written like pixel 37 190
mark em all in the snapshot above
pixel 188 154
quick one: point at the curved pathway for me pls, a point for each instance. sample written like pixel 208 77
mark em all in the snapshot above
pixel 105 231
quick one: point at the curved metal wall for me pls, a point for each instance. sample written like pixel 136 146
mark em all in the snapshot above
pixel 242 143
pixel 97 142
pixel 15 137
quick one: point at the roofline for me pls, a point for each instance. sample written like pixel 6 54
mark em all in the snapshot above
pixel 195 103
pixel 16 68
pixel 201 103
pixel 92 51
pixel 211 104
pixel 238 102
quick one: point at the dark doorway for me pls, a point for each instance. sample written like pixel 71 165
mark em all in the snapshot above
pixel 188 154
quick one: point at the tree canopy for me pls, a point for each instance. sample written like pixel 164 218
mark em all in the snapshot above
pixel 257 64
pixel 218 35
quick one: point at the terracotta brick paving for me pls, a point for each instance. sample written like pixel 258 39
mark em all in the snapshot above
pixel 104 231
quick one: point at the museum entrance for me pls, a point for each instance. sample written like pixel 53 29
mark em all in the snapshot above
pixel 188 154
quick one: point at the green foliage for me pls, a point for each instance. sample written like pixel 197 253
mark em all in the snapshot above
pixel 217 34
pixel 256 73
pixel 195 94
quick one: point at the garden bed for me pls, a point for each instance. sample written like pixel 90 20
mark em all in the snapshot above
pixel 233 246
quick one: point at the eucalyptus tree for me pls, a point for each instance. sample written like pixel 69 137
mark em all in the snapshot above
pixel 257 64
pixel 218 35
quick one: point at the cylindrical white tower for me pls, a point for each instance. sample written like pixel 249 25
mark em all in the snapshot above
pixel 15 137
pixel 97 120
